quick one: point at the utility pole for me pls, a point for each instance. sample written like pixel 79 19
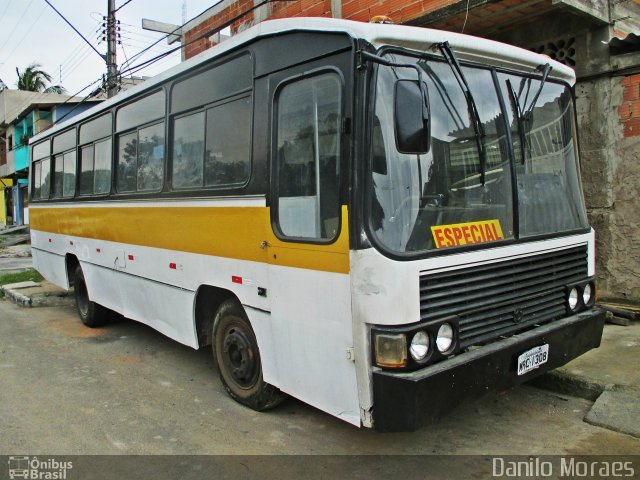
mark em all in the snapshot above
pixel 112 65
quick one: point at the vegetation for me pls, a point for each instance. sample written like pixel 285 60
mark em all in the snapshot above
pixel 34 79
pixel 27 275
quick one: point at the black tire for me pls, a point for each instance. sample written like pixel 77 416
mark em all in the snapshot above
pixel 91 314
pixel 236 353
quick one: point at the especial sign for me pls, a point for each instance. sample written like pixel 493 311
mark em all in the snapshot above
pixel 467 233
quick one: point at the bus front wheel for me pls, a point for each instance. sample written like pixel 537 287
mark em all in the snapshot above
pixel 236 353
pixel 91 314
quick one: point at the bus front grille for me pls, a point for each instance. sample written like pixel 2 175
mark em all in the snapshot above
pixel 501 298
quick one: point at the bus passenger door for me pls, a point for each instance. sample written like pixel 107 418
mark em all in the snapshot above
pixel 309 249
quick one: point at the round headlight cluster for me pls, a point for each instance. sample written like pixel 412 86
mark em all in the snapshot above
pixel 580 297
pixel 419 347
pixel 445 337
pixel 586 294
pixel 573 297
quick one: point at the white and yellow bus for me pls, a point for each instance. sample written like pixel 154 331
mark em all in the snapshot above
pixel 378 220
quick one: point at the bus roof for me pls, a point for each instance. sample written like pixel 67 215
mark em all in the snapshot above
pixel 416 38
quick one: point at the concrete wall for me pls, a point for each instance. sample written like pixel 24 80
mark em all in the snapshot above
pixel 610 147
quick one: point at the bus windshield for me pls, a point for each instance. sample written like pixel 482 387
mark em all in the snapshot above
pixel 526 185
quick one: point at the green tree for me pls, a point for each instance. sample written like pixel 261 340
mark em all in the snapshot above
pixel 33 79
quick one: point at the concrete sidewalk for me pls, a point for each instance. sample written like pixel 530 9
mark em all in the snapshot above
pixel 17 258
pixel 37 294
pixel 609 376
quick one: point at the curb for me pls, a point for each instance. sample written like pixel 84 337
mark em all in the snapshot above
pixel 17 298
pixel 569 384
pixel 39 299
pixel 615 407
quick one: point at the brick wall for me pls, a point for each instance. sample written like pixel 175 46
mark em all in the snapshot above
pixel 195 44
pixel 401 11
pixel 629 110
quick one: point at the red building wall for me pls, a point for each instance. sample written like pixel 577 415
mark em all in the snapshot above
pixel 629 111
pixel 401 11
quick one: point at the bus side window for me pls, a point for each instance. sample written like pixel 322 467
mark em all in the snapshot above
pixel 308 157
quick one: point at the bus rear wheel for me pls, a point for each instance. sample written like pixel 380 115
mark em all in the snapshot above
pixel 91 314
pixel 236 353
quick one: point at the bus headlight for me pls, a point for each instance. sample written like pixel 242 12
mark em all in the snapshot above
pixel 419 347
pixel 573 299
pixel 391 350
pixel 587 293
pixel 444 340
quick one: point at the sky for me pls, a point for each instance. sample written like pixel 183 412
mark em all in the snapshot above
pixel 31 31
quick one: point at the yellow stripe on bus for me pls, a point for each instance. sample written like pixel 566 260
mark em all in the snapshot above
pixel 230 232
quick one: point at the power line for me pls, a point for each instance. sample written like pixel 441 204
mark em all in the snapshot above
pixel 5 9
pixel 136 68
pixel 82 45
pixel 16 25
pixel 75 29
pixel 76 64
pixel 76 60
pixel 124 52
pixel 77 104
pixel 26 33
pixel 125 3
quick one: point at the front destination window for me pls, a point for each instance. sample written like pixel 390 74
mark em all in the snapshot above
pixel 461 191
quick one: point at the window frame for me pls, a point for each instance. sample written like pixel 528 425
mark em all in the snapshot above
pixel 92 144
pixel 275 187
pixel 369 97
pixel 246 94
pixel 60 157
pixel 115 153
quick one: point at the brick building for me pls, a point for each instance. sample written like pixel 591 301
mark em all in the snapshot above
pixel 596 38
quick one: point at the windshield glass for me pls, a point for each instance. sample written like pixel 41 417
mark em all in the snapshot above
pixel 438 200
pixel 548 179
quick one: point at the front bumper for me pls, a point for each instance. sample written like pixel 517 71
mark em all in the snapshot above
pixel 405 401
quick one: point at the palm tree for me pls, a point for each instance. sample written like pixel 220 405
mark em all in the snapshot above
pixel 33 79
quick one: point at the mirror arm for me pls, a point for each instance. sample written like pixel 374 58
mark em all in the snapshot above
pixel 367 56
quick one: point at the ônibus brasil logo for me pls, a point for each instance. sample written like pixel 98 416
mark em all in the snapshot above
pixel 38 469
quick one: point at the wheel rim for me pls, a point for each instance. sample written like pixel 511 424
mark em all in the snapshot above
pixel 239 356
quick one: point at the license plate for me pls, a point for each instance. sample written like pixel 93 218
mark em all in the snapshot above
pixel 532 359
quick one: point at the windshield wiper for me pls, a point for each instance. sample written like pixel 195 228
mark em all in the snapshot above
pixel 478 128
pixel 519 122
pixel 546 68
pixel 525 119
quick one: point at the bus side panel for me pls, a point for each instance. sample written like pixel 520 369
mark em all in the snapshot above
pixel 262 325
pixel 51 266
pixel 102 285
pixel 312 339
pixel 163 307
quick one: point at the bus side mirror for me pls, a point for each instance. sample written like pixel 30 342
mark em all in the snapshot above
pixel 411 116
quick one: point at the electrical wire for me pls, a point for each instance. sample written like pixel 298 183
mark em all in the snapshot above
pixel 124 52
pixel 19 43
pixel 78 104
pixel 124 4
pixel 5 10
pixel 16 25
pixel 81 45
pixel 74 28
pixel 147 63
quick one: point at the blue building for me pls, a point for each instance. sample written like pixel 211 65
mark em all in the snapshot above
pixel 22 115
